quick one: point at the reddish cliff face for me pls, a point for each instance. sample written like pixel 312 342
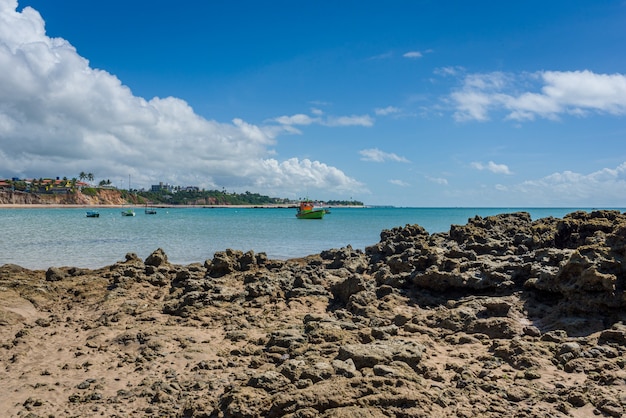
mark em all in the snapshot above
pixel 101 197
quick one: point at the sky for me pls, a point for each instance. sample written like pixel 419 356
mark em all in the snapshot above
pixel 407 103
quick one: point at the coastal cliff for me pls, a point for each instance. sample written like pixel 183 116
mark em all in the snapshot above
pixel 503 316
pixel 98 197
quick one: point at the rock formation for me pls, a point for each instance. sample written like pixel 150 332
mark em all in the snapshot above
pixel 98 197
pixel 503 316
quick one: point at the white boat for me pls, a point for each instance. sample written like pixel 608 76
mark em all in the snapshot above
pixel 128 212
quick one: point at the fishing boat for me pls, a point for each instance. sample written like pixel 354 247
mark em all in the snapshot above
pixel 307 210
pixel 93 214
pixel 128 212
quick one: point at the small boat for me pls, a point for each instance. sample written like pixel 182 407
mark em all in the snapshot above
pixel 93 214
pixel 128 212
pixel 150 210
pixel 307 210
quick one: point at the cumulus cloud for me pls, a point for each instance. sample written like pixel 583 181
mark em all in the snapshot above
pixel 605 187
pixel 293 173
pixel 378 156
pixel 491 166
pixel 556 93
pixel 60 116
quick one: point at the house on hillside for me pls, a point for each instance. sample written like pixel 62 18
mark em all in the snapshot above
pixel 162 187
pixel 42 185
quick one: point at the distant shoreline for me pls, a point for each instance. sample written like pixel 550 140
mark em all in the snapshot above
pixel 157 206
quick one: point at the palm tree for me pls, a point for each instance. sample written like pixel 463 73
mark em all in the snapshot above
pixel 90 177
pixel 82 176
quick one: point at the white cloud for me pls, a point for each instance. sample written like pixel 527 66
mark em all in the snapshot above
pixel 383 56
pixel 438 180
pixel 558 93
pixel 59 116
pixel 384 111
pixel 331 121
pixel 491 166
pixel 412 54
pixel 298 119
pixel 449 71
pixel 378 156
pixel 295 174
pixel 603 187
pixel 354 120
pixel 399 183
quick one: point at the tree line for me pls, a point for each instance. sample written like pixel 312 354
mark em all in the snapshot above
pixel 180 197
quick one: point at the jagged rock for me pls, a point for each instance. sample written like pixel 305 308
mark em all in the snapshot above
pixel 224 262
pixel 270 381
pixel 616 335
pixel 343 290
pixel 156 259
pixel 54 274
pixel 369 355
pixel 502 316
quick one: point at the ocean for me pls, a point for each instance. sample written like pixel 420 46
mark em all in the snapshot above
pixel 40 238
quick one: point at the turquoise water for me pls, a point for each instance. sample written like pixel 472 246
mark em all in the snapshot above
pixel 41 238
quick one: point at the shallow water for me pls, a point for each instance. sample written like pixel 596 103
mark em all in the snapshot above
pixel 41 238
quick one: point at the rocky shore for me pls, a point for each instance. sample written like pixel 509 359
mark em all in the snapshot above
pixel 503 316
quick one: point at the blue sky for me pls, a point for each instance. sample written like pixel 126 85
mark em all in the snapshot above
pixel 406 103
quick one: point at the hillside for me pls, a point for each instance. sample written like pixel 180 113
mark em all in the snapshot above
pixel 103 197
pixel 99 197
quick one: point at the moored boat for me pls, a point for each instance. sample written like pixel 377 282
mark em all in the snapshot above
pixel 150 210
pixel 307 210
pixel 93 214
pixel 128 212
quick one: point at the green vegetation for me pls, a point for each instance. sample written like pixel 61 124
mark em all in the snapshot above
pixel 217 197
pixel 344 203
pixel 19 185
pixel 86 176
pixel 209 197
pixel 176 196
pixel 90 191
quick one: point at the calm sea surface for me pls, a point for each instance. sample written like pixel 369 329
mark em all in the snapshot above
pixel 41 238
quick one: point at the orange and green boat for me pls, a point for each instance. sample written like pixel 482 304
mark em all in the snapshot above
pixel 307 210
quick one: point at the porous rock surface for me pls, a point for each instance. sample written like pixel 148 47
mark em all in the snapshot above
pixel 503 316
